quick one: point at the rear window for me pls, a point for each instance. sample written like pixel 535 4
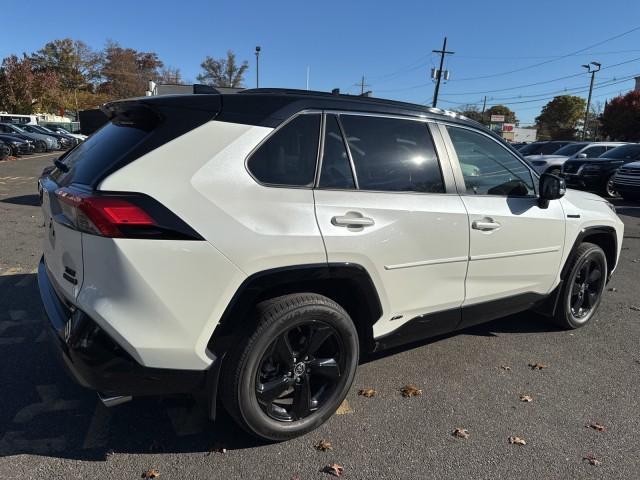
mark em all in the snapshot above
pixel 91 158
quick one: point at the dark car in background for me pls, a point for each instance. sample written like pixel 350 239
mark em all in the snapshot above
pixel 19 145
pixel 597 174
pixel 65 142
pixel 5 150
pixel 627 181
pixel 543 148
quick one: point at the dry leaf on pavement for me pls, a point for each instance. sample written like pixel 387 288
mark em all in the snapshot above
pixel 505 367
pixel 461 433
pixel 537 366
pixel 517 441
pixel 597 426
pixel 367 392
pixel 334 469
pixel 591 458
pixel 323 445
pixel 410 391
pixel 344 408
pixel 151 473
pixel 526 398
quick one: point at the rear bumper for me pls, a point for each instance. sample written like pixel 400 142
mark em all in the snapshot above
pixel 97 362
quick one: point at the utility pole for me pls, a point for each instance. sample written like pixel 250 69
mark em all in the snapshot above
pixel 484 107
pixel 258 66
pixel 362 85
pixel 438 73
pixel 593 76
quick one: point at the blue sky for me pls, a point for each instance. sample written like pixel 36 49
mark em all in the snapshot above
pixel 388 42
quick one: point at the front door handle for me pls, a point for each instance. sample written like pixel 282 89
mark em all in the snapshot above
pixel 485 225
pixel 352 219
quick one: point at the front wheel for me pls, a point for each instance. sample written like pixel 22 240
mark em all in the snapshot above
pixel 292 372
pixel 41 146
pixel 609 190
pixel 583 287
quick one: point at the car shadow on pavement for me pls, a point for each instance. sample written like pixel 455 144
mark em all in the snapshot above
pixel 32 200
pixel 44 412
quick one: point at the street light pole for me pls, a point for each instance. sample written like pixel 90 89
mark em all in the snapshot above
pixel 593 76
pixel 258 67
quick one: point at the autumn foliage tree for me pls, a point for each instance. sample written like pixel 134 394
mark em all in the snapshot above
pixel 25 90
pixel 621 118
pixel 223 72
pixel 560 118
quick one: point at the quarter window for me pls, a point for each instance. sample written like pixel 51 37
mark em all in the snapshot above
pixel 487 167
pixel 336 169
pixel 392 154
pixel 289 156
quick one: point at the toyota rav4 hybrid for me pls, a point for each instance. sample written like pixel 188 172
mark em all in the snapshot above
pixel 256 245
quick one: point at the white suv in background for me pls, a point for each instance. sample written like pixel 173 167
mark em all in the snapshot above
pixel 553 163
pixel 256 245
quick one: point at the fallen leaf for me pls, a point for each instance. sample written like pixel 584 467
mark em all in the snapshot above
pixel 613 289
pixel 505 367
pixel 334 469
pixel 461 433
pixel 591 458
pixel 151 473
pixel 367 392
pixel 634 308
pixel 597 426
pixel 108 454
pixel 517 441
pixel 344 408
pixel 410 391
pixel 537 366
pixel 323 445
pixel 526 398
pixel 295 477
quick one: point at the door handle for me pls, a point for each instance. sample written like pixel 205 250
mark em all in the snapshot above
pixel 352 221
pixel 485 225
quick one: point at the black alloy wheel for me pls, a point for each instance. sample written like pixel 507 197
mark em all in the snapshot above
pixel 300 371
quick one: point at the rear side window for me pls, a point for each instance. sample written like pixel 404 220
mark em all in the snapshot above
pixel 336 168
pixel 288 157
pixel 89 159
pixel 392 154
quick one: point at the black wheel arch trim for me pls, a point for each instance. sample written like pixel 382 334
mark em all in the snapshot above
pixel 585 234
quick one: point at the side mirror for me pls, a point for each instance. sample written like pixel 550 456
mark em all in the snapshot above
pixel 551 187
pixel 582 155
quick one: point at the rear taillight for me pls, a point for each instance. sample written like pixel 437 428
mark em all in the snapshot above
pixel 127 215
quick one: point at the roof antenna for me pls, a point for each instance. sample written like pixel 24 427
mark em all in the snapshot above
pixel 335 91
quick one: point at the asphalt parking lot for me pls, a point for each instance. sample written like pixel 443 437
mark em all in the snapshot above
pixel 52 428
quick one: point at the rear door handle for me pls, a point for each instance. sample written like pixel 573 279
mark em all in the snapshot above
pixel 352 221
pixel 485 225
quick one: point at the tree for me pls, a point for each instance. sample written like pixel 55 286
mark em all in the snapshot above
pixel 621 118
pixel 126 72
pixel 509 115
pixel 26 90
pixel 171 76
pixel 473 112
pixel 560 118
pixel 75 63
pixel 223 72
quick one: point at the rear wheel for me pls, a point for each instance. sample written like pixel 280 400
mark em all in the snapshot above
pixel 583 287
pixel 609 190
pixel 41 146
pixel 291 374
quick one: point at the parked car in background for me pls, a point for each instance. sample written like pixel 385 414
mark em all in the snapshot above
pixel 553 163
pixel 518 146
pixel 596 174
pixel 42 142
pixel 63 131
pixel 543 148
pixel 18 144
pixel 627 181
pixel 65 142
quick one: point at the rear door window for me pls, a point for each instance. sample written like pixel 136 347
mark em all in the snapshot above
pixel 288 157
pixel 391 154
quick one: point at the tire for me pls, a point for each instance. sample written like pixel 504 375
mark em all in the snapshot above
pixel 287 329
pixel 608 189
pixel 41 146
pixel 571 312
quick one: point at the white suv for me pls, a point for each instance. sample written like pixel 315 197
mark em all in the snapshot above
pixel 256 245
